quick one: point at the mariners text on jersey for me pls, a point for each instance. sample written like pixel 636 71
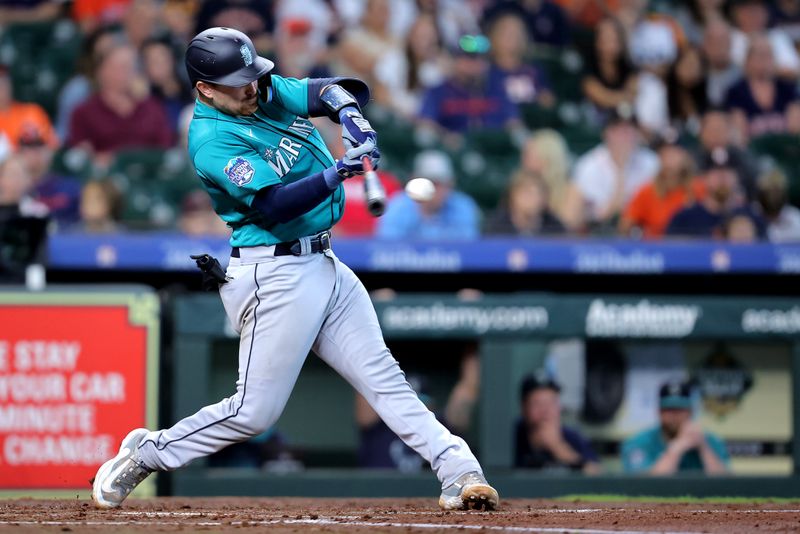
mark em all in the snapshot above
pixel 235 157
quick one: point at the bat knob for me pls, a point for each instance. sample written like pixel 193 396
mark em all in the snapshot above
pixel 376 206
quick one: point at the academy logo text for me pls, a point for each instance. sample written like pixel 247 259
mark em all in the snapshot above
pixel 477 319
pixel 771 321
pixel 641 319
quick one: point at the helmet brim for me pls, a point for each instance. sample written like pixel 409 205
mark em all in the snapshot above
pixel 246 75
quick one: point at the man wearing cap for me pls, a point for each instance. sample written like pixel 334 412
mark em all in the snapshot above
pixel 272 179
pixel 60 193
pixel 541 441
pixel 469 99
pixel 678 443
pixel 723 199
pixel 449 214
pixel 716 127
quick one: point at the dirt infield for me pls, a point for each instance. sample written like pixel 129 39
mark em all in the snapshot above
pixel 284 515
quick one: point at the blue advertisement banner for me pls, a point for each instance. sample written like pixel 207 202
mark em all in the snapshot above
pixel 168 251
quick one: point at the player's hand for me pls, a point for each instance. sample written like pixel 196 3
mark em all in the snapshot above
pixel 690 435
pixel 356 130
pixel 352 162
pixel 548 435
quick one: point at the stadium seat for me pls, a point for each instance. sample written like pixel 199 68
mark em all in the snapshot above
pixel 73 162
pixel 485 164
pixel 397 142
pixel 147 206
pixel 42 57
pixel 177 173
pixel 536 117
pixel 153 182
pixel 784 151
pixel 564 69
pixel 580 137
pixel 484 178
pixel 493 143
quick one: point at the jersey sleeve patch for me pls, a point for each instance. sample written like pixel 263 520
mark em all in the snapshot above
pixel 239 171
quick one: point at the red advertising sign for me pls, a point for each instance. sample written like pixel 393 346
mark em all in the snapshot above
pixel 73 383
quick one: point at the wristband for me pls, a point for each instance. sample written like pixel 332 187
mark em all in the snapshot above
pixel 335 98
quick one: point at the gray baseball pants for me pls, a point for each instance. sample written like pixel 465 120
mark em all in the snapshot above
pixel 283 307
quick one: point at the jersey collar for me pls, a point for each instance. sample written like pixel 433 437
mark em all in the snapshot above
pixel 204 111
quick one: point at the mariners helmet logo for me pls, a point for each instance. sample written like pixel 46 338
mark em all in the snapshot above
pixel 247 56
pixel 239 171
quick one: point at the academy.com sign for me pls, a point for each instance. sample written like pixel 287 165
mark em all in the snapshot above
pixel 641 319
pixel 474 318
pixel 771 321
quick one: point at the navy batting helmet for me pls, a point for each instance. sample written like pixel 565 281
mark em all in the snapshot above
pixel 226 57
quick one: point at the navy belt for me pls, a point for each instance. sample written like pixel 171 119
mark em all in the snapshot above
pixel 319 244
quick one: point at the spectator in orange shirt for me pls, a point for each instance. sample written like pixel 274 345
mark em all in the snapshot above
pixel 17 117
pixel 588 13
pixel 652 207
pixel 89 14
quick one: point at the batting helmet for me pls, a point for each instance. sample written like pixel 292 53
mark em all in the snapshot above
pixel 226 57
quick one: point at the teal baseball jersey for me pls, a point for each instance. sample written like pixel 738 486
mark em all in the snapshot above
pixel 235 157
pixel 642 451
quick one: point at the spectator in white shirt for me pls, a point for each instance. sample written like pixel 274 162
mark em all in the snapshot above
pixel 606 177
pixel 750 18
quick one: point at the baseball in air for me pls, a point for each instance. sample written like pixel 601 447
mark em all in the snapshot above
pixel 420 189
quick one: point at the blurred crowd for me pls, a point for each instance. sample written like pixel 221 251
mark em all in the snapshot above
pixel 635 118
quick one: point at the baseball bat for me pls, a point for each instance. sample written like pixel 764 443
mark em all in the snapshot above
pixel 373 190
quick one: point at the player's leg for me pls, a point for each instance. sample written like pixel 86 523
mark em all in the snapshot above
pixel 278 318
pixel 351 342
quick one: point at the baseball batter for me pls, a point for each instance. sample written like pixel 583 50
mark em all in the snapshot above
pixel 272 179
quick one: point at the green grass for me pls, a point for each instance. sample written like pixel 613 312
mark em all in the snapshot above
pixel 600 497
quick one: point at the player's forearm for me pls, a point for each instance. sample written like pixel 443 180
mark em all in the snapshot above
pixel 282 203
pixel 563 452
pixel 712 464
pixel 668 463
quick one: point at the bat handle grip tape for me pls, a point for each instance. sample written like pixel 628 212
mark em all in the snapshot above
pixel 366 163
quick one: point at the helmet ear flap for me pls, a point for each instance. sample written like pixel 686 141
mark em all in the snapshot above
pixel 265 87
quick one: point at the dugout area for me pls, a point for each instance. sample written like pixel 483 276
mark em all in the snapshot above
pixel 512 332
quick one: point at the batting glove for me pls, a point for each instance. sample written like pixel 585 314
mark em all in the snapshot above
pixel 356 130
pixel 352 164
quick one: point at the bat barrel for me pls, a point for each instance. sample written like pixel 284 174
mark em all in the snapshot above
pixel 373 190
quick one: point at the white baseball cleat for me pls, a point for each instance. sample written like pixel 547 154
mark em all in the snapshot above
pixel 469 492
pixel 117 477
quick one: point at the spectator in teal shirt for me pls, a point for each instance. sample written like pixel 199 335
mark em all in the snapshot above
pixel 678 444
